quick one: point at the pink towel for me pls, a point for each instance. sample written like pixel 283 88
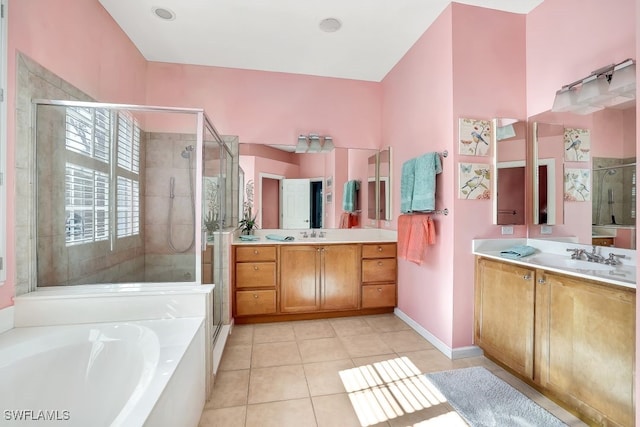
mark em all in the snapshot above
pixel 415 232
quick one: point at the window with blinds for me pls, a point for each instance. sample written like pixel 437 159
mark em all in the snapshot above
pixel 88 132
pixel 89 188
pixel 87 205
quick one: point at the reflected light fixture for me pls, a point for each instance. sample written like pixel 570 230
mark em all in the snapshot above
pixel 314 143
pixel 605 87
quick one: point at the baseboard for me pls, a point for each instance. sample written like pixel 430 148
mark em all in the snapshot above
pixel 455 353
pixel 7 319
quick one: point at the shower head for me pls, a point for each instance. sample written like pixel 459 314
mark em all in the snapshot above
pixel 186 153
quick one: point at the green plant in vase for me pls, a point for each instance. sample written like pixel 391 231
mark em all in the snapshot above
pixel 248 222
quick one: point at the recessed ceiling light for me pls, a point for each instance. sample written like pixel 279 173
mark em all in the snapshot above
pixel 164 13
pixel 330 25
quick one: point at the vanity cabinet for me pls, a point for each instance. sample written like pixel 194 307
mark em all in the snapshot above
pixel 504 318
pixel 289 281
pixel 585 333
pixel 572 338
pixel 379 275
pixel 317 278
pixel 255 280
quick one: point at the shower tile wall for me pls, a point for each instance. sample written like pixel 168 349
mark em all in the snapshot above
pixel 163 161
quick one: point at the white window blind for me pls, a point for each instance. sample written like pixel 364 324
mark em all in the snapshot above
pixel 87 205
pixel 88 132
pixel 128 143
pixel 128 207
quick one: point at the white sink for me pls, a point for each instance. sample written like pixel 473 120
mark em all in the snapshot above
pixel 566 262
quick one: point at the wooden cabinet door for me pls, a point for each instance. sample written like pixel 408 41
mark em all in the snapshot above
pixel 340 277
pixel 586 346
pixel 504 317
pixel 299 278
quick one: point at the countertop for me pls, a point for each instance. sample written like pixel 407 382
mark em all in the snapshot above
pixel 332 236
pixel 553 256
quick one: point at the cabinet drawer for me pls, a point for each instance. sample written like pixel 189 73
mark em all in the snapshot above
pixel 382 250
pixel 379 270
pixel 256 275
pixel 602 241
pixel 378 296
pixel 255 302
pixel 255 253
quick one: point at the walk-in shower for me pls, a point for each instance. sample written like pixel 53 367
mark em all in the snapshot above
pixel 119 197
pixel 614 189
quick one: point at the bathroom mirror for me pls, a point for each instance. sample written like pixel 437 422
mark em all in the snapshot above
pixel 372 184
pixel 510 153
pixel 384 184
pixel 597 188
pixel 324 173
pixel 547 169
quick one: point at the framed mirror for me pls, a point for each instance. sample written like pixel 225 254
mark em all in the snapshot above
pixel 372 187
pixel 509 170
pixel 547 169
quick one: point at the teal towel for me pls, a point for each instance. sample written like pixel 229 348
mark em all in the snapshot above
pixel 518 251
pixel 279 237
pixel 424 187
pixel 350 196
pixel 406 185
pixel 248 238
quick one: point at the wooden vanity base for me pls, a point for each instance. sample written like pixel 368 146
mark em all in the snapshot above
pixel 310 316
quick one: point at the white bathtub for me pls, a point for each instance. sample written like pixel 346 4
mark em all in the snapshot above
pixel 135 373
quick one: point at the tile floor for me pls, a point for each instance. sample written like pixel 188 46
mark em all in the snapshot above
pixel 289 374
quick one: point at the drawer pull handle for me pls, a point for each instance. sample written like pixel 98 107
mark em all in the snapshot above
pixel 256 268
pixel 526 277
pixel 255 252
pixel 255 296
pixel 380 264
pixel 379 289
pixel 541 281
pixel 379 248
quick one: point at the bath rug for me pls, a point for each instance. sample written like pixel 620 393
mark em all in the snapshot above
pixel 485 400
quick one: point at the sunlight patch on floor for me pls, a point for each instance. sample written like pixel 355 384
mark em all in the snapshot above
pixel 393 388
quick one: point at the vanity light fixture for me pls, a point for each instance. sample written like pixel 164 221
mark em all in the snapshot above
pixel 314 143
pixel 605 87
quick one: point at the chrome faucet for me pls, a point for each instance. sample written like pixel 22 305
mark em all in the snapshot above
pixel 614 259
pixel 593 256
pixel 577 253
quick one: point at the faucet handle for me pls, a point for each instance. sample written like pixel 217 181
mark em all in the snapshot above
pixel 576 252
pixel 612 259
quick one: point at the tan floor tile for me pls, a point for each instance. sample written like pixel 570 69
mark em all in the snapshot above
pixel 322 349
pixel 275 354
pixel 313 329
pixel 365 345
pixel 335 410
pixel 370 360
pixel 241 334
pixel 290 413
pixel 349 326
pixel 405 341
pixel 387 323
pixel 428 361
pixel 273 332
pixel 277 383
pixel 436 416
pixel 324 378
pixel 231 388
pixel 224 417
pixel 236 357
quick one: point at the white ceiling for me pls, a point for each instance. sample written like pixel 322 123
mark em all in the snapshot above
pixel 283 35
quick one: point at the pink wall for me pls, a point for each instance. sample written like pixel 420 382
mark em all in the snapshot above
pixel 272 108
pixel 271 208
pixel 106 65
pixel 417 118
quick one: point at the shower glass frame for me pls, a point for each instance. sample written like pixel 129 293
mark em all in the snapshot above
pixel 202 124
